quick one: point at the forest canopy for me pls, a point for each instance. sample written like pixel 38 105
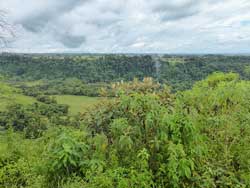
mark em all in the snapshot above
pixel 147 137
pixel 86 74
pixel 124 94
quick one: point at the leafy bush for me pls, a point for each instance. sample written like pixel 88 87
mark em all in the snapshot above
pixel 21 119
pixel 46 99
pixel 142 138
pixel 219 107
pixel 140 121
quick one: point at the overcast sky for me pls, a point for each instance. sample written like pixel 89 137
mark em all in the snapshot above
pixel 138 26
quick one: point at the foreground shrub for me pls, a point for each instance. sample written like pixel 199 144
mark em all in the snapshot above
pixel 220 107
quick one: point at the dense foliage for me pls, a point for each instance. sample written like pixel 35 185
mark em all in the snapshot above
pixel 144 137
pixel 98 69
pixel 71 86
pixel 85 74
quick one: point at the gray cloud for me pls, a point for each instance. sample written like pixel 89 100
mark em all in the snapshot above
pixel 173 15
pixel 48 15
pixel 71 41
pixel 38 19
pixel 174 10
pixel 107 19
pixel 34 24
pixel 130 26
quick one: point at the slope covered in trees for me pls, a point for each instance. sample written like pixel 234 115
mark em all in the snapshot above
pixel 144 137
pixel 180 72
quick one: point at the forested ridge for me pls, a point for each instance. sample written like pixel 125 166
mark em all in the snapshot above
pixel 184 123
pixel 180 72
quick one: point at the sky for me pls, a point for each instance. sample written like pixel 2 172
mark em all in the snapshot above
pixel 129 26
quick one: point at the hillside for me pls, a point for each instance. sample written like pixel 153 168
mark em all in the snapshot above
pixel 10 95
pixel 178 71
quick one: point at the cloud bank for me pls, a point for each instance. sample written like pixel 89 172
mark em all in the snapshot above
pixel 141 26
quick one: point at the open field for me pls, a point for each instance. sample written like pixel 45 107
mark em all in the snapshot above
pixel 15 98
pixel 77 103
pixel 9 95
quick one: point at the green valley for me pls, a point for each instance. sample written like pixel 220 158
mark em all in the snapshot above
pixel 111 121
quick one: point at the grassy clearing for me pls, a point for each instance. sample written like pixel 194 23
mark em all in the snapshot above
pixel 77 103
pixel 9 95
pixel 174 60
pixel 15 98
pixel 22 99
pixel 33 83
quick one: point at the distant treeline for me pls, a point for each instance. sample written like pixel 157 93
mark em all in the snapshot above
pixel 178 71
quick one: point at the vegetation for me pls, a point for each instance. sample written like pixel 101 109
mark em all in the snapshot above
pixel 144 136
pixel 77 103
pixel 152 127
pixel 86 74
pixel 10 95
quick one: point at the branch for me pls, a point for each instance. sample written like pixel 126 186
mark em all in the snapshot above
pixel 6 29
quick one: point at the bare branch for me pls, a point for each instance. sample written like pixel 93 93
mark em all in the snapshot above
pixel 6 30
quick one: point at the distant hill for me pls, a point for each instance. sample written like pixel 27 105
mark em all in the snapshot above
pixel 180 71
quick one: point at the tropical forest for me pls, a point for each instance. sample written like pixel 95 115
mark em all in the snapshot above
pixel 124 94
